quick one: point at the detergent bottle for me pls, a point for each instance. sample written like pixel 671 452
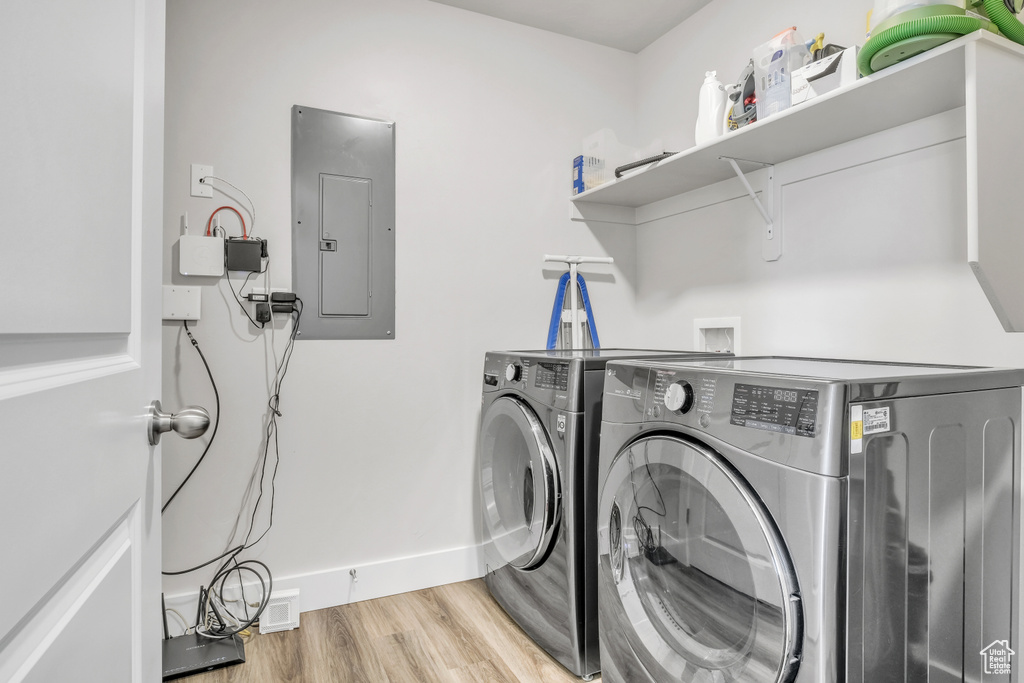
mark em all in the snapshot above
pixel 710 109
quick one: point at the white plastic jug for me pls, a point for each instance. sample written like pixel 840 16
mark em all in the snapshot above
pixel 710 109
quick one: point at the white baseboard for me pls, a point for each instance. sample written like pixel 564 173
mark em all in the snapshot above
pixel 339 586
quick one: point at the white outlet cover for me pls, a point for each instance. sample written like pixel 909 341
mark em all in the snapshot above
pixel 199 189
pixel 201 255
pixel 182 303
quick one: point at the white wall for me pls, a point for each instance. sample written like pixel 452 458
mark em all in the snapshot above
pixel 874 256
pixel 378 438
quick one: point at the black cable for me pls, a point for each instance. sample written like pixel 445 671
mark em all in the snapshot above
pixel 222 578
pixel 232 565
pixel 233 552
pixel 643 529
pixel 273 405
pixel 267 588
pixel 163 606
pixel 216 421
pixel 241 587
pixel 239 300
pixel 271 434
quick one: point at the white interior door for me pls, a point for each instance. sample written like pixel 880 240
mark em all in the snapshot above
pixel 81 156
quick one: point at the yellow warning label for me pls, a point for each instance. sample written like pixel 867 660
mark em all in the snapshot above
pixel 856 429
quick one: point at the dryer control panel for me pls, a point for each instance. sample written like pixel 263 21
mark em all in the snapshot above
pixel 549 374
pixel 548 381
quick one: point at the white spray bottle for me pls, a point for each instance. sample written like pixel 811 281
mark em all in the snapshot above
pixel 710 109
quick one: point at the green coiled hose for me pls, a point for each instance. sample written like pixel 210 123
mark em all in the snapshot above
pixel 952 25
pixel 1008 23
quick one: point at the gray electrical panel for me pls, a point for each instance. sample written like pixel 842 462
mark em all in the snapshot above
pixel 343 224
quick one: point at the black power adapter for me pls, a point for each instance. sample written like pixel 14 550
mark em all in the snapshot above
pixel 263 313
pixel 282 302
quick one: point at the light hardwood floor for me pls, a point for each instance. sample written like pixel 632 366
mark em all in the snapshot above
pixel 455 633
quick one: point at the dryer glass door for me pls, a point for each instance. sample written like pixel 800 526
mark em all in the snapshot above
pixel 705 585
pixel 519 481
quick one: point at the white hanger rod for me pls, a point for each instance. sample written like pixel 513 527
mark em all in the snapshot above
pixel 579 259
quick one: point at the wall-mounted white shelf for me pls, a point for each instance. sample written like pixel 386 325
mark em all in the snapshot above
pixel 925 85
pixel 974 73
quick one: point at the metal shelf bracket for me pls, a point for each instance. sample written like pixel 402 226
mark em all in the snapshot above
pixel 772 246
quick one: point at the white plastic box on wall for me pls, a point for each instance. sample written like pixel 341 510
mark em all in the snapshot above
pixel 825 75
pixel 282 612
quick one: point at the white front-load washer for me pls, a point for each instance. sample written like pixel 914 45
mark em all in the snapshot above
pixel 539 436
pixel 781 520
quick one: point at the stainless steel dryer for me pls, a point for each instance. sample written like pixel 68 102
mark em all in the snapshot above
pixel 538 473
pixel 779 520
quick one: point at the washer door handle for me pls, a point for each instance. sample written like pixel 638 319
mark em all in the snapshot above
pixel 191 422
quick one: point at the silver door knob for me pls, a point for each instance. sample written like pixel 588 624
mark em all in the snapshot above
pixel 189 423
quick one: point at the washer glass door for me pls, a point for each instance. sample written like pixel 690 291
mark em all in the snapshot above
pixel 706 586
pixel 519 481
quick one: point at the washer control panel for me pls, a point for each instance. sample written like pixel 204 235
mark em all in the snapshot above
pixel 783 409
pixel 790 419
pixel 775 409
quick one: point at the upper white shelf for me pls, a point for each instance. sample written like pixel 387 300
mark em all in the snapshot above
pixel 928 84
pixel 975 75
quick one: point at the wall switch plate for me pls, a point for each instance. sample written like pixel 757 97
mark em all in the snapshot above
pixel 719 335
pixel 199 189
pixel 201 255
pixel 182 303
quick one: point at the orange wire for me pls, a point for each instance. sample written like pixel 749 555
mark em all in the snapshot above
pixel 229 208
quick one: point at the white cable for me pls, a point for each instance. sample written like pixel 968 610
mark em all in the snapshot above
pixel 180 618
pixel 252 207
pixel 206 621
